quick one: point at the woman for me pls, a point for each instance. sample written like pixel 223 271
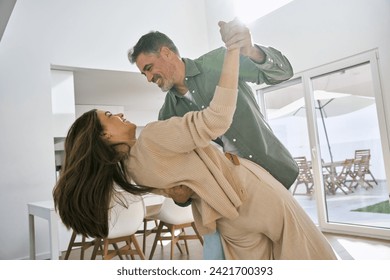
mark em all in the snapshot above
pixel 175 158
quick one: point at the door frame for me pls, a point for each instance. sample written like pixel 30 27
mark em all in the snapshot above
pixel 305 78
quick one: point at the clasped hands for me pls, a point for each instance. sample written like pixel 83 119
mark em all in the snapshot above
pixel 236 35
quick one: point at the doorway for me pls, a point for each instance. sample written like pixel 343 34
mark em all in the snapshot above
pixel 333 117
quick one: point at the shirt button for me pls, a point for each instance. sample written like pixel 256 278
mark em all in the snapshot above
pixel 193 91
pixel 186 79
pixel 250 156
pixel 234 139
pixel 202 106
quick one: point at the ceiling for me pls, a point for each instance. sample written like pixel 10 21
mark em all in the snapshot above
pixel 6 7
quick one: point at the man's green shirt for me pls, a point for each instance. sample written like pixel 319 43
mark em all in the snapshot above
pixel 249 133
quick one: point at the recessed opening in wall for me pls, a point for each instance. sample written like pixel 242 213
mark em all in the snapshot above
pixel 139 100
pixel 77 90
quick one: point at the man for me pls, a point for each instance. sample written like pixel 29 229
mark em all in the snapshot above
pixel 190 85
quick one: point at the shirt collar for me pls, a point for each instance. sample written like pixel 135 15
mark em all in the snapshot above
pixel 191 67
pixel 191 70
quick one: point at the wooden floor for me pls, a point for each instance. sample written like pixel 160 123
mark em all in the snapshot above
pixel 346 248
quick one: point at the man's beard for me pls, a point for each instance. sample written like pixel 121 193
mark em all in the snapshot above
pixel 165 85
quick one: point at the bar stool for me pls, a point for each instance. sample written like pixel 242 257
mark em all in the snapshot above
pixel 125 217
pixel 172 218
pixel 83 245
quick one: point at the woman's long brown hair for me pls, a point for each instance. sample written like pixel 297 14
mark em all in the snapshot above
pixel 83 193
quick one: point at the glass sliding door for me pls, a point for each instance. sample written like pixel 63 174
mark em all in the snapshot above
pixel 334 116
pixel 285 113
pixel 352 161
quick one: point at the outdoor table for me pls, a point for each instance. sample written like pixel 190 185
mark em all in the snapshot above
pixel 332 172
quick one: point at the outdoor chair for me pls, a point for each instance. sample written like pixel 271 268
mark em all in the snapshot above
pixel 328 174
pixel 305 175
pixel 361 168
pixel 341 178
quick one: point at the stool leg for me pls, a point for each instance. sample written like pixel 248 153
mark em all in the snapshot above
pixel 185 240
pixel 137 247
pixel 70 246
pixel 173 242
pixel 96 248
pixel 160 226
pixel 117 250
pixel 144 236
pixel 82 247
pixel 197 232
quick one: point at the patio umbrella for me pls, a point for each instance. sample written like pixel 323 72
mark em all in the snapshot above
pixel 328 104
pixel 321 109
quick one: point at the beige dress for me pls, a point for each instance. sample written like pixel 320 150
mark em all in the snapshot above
pixel 256 216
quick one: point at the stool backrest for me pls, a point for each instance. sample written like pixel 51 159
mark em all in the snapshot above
pixel 126 215
pixel 174 214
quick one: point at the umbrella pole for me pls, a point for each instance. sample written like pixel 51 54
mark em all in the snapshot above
pixel 326 133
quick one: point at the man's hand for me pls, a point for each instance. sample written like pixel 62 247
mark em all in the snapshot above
pixel 179 194
pixel 236 35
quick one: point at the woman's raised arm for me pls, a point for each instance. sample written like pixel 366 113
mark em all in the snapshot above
pixel 230 69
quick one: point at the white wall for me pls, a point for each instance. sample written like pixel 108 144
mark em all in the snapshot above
pixel 62 101
pixel 315 33
pixel 87 34
pixel 217 10
pixel 96 34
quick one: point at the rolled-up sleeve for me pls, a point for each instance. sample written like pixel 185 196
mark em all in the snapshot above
pixel 276 67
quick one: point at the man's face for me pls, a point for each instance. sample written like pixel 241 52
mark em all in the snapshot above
pixel 158 69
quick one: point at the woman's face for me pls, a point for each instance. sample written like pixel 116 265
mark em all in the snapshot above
pixel 116 129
